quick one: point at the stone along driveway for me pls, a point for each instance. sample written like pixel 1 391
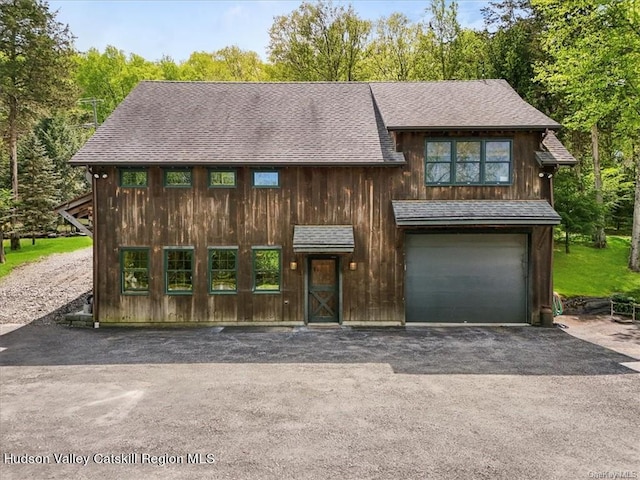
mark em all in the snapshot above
pixel 299 403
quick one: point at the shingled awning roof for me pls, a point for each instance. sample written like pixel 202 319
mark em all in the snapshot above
pixel 473 212
pixel 554 152
pixel 323 239
pixel 456 105
pixel 243 123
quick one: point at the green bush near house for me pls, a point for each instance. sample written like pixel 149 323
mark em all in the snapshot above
pixel 592 272
pixel 43 247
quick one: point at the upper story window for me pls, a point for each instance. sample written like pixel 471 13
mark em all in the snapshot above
pixel 133 177
pixel 266 178
pixel 177 177
pixel 468 162
pixel 222 178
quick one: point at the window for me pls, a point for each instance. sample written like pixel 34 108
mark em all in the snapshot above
pixel 178 270
pixel 222 178
pixel 134 270
pixel 133 177
pixel 266 269
pixel 266 178
pixel 177 177
pixel 468 162
pixel 223 270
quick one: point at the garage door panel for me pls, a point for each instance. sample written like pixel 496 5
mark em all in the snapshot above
pixel 466 278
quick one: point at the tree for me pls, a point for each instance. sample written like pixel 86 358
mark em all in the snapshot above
pixel 40 182
pixel 593 49
pixel 391 55
pixel 62 138
pixel 319 42
pixel 514 48
pixel 35 72
pixel 6 202
pixel 575 203
pixel 445 30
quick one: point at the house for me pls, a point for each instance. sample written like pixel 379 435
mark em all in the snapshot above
pixel 293 203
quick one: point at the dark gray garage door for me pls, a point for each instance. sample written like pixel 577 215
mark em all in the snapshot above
pixel 479 278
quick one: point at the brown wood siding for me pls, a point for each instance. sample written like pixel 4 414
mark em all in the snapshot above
pixel 246 217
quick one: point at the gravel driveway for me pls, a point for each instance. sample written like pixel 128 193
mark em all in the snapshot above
pixel 42 292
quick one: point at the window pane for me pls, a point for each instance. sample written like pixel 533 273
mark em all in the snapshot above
pixel 496 172
pixel 468 151
pixel 223 270
pixel 438 151
pixel 498 151
pixel 265 179
pixel 222 179
pixel 133 178
pixel 180 178
pixel 179 270
pixel 135 270
pixel 467 173
pixel 266 269
pixel 438 173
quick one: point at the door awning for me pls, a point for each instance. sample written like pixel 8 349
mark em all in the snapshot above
pixel 410 213
pixel 323 239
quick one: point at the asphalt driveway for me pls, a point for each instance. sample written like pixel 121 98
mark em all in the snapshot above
pixel 517 402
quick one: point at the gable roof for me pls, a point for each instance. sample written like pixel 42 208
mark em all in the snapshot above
pixel 243 123
pixel 456 105
pixel 298 123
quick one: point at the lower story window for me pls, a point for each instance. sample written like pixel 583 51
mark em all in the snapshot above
pixel 179 270
pixel 266 269
pixel 223 270
pixel 134 270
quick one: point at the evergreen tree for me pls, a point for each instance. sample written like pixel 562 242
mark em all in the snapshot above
pixel 40 182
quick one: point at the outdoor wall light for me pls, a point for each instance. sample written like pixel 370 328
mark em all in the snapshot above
pixel 96 175
pixel 541 174
pixel 104 175
pixel 353 266
pixel 293 265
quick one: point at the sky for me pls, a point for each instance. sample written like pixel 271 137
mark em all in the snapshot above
pixel 153 28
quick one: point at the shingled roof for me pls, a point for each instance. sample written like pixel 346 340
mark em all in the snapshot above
pixel 243 123
pixel 554 152
pixel 456 105
pixel 410 213
pixel 308 123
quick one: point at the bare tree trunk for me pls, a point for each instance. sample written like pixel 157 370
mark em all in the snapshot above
pixel 3 259
pixel 566 241
pixel 634 260
pixel 13 152
pixel 599 238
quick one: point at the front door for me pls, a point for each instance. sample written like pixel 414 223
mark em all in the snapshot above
pixel 323 298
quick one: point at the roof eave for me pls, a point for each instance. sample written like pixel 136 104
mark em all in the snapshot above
pixel 439 128
pixel 497 222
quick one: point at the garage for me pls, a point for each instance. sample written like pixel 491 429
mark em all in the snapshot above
pixel 466 277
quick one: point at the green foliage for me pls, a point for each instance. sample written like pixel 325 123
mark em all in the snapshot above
pixel 32 253
pixel 575 202
pixel 62 138
pixel 392 52
pixel 319 42
pixel 593 272
pixel 39 187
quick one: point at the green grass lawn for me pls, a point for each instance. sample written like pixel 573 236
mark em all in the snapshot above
pixel 592 272
pixel 42 248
